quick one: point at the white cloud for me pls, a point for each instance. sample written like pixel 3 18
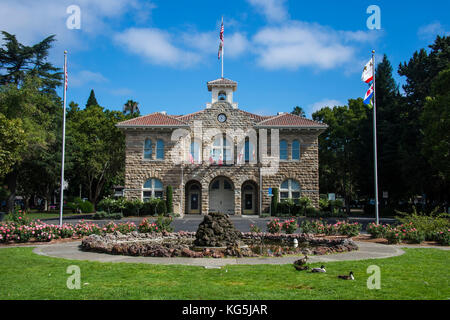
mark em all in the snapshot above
pixel 33 20
pixel 273 10
pixel 430 31
pixel 86 77
pixel 324 103
pixel 155 46
pixel 299 44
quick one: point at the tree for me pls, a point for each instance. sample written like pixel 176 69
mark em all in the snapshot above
pixel 339 146
pixel 92 101
pixel 389 126
pixel 420 72
pixel 96 146
pixel 18 61
pixel 435 120
pixel 298 111
pixel 12 145
pixel 131 107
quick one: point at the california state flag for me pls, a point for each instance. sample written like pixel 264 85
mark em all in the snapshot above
pixel 367 74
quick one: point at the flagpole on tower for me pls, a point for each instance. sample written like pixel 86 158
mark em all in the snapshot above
pixel 375 138
pixel 61 204
pixel 222 44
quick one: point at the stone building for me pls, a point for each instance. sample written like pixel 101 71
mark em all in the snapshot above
pixel 221 158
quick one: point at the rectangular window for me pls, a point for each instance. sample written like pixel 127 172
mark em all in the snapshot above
pixel 284 195
pixel 146 196
pixel 158 194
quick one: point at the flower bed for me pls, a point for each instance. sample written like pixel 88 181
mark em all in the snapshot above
pixel 407 233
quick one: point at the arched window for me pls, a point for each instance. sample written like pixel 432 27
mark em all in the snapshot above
pixel 195 152
pixel 148 149
pixel 283 150
pixel 295 150
pixel 221 150
pixel 222 96
pixel 153 188
pixel 249 151
pixel 160 149
pixel 290 189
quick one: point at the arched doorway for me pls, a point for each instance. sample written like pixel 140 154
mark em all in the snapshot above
pixel 249 198
pixel 221 195
pixel 193 199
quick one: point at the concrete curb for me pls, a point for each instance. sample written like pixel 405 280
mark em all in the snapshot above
pixel 72 251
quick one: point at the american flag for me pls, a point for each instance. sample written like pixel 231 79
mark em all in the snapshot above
pixel 221 40
pixel 65 75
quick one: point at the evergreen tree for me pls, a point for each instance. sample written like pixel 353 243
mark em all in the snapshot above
pixel 298 111
pixel 17 61
pixel 92 101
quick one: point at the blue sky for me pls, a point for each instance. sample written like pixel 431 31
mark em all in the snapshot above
pixel 281 53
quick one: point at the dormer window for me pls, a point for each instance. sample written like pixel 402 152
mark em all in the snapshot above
pixel 222 96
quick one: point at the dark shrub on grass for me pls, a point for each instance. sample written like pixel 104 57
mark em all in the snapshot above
pixel 169 199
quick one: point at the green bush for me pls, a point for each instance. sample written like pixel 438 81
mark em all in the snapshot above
pixel 132 207
pixel 286 207
pixel 427 224
pixel 154 207
pixel 164 223
pixel 324 205
pixel 79 205
pixel 274 202
pixel 101 215
pixel 169 199
pixel 443 237
pixel 161 207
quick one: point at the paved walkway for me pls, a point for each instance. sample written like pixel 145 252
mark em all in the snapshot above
pixel 71 250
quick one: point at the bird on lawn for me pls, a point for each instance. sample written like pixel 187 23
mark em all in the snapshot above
pixel 301 262
pixel 349 277
pixel 321 269
pixel 301 268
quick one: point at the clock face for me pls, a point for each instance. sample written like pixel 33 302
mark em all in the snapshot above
pixel 222 117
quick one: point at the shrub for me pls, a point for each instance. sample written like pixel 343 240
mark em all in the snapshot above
pixel 377 230
pixel 18 216
pixel 324 204
pixel 349 229
pixel 146 226
pixel 274 202
pixel 312 212
pixel 254 228
pixel 427 224
pixel 132 207
pixel 394 236
pixel 274 226
pixel 164 223
pixel 289 226
pixel 415 236
pixel 443 237
pixel 106 204
pixel 79 205
pixel 286 207
pixel 169 199
pixel 161 207
pixel 99 215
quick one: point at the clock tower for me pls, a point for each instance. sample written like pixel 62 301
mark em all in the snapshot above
pixel 222 90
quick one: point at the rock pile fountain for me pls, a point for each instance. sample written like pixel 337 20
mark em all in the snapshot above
pixel 216 237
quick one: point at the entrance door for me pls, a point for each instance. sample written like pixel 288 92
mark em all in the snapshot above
pixel 221 196
pixel 193 203
pixel 249 204
pixel 249 198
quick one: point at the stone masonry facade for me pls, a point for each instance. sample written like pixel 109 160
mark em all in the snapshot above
pixel 182 174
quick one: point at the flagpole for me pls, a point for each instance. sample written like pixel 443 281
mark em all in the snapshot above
pixel 375 138
pixel 61 204
pixel 222 50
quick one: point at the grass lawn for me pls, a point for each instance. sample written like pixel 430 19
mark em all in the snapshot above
pixel 49 215
pixel 418 274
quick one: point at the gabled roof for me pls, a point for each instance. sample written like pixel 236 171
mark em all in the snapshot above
pixel 289 120
pixel 222 82
pixel 156 119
